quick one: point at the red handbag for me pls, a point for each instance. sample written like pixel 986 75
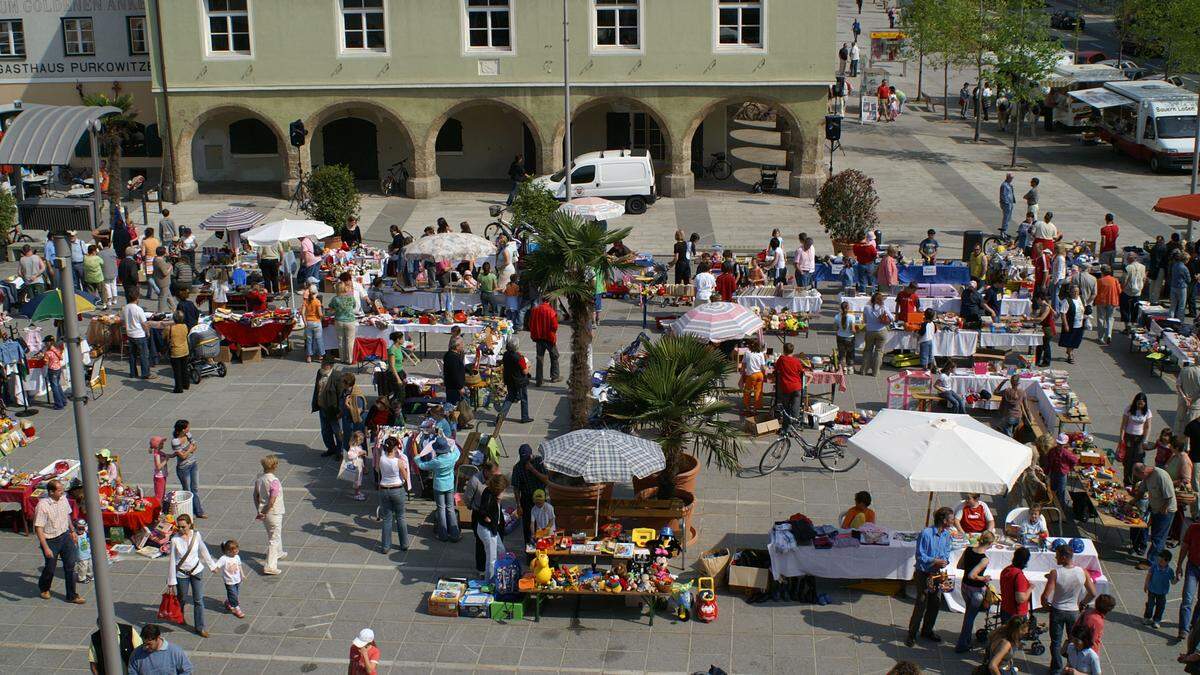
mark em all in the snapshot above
pixel 1121 450
pixel 169 609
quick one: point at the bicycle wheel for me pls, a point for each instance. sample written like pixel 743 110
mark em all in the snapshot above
pixel 722 170
pixel 492 231
pixel 990 244
pixel 831 452
pixel 774 455
pixel 386 185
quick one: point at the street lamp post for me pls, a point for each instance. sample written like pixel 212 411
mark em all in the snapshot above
pixel 566 104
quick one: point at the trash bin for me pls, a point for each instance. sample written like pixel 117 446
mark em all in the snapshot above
pixel 181 503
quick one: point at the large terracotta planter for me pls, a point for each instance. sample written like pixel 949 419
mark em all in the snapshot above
pixel 584 492
pixel 689 469
pixel 841 247
pixel 689 507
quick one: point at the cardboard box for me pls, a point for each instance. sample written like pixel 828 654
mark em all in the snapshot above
pixel 475 605
pixel 444 603
pixel 761 424
pixel 464 514
pixel 749 578
pixel 225 356
pixel 249 354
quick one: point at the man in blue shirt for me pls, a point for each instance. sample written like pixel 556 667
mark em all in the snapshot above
pixel 933 554
pixel 158 657
pixel 1181 278
pixel 929 248
pixel 1007 199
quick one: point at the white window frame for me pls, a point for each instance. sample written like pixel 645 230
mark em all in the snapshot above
pixel 716 36
pixel 341 10
pixel 129 21
pixel 79 30
pixel 468 50
pixel 10 43
pixel 206 34
pixel 598 49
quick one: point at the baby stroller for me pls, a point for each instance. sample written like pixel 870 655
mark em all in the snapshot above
pixel 1031 642
pixel 205 346
pixel 768 179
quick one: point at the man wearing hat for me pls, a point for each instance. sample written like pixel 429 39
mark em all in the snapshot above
pixel 1059 463
pixel 364 653
pixel 441 465
pixel 528 477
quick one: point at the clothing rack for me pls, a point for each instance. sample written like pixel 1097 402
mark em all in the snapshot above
pixel 26 411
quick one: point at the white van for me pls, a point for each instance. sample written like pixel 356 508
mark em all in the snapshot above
pixel 612 174
pixel 1150 120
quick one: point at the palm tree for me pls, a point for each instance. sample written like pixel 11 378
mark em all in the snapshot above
pixel 118 128
pixel 570 254
pixel 675 391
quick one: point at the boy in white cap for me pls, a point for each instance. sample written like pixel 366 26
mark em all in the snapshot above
pixel 364 653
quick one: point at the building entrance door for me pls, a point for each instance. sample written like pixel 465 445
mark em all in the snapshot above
pixel 352 141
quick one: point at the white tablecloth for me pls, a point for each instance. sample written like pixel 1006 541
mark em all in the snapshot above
pixel 803 303
pixel 945 343
pixel 1040 563
pixel 1009 340
pixel 431 300
pixel 1008 306
pixel 329 335
pixel 1171 340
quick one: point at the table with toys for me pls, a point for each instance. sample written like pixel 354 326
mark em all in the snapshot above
pixel 1111 502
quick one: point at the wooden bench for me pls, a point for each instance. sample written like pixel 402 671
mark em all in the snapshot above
pixel 595 511
pixel 926 402
pixel 1032 416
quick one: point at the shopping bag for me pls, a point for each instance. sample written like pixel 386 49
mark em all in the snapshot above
pixel 1121 450
pixel 350 471
pixel 169 609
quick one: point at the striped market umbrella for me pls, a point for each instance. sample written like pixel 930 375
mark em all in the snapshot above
pixel 232 219
pixel 718 321
pixel 603 455
pixel 48 305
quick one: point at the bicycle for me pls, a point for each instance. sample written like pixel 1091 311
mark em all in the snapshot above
pixel 499 226
pixel 995 241
pixel 718 168
pixel 396 178
pixel 829 449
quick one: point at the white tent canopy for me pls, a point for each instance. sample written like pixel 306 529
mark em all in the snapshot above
pixel 933 452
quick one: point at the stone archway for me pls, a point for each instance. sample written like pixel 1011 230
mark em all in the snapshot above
pixel 203 152
pixel 476 144
pixel 365 135
pixel 797 153
pixel 633 122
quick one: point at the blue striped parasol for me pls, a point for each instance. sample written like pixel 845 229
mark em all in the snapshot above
pixel 232 219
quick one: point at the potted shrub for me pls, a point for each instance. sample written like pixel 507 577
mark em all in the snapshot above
pixel 8 221
pixel 675 394
pixel 846 206
pixel 335 199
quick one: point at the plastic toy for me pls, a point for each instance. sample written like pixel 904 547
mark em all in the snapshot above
pixel 707 610
pixel 541 569
pixel 680 603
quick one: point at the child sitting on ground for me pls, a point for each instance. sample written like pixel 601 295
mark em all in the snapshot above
pixel 541 516
pixel 230 564
pixel 355 454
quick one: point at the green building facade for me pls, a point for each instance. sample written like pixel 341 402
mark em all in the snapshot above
pixel 459 87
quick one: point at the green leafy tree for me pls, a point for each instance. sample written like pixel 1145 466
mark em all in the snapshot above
pixel 1022 52
pixel 1169 26
pixel 947 32
pixel 846 205
pixel 533 203
pixel 570 253
pixel 117 128
pixel 675 392
pixel 335 199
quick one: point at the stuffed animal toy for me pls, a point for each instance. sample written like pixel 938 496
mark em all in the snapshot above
pixel 541 569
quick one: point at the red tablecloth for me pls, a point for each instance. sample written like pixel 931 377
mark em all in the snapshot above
pixel 241 335
pixel 365 347
pixel 22 496
pixel 818 377
pixel 133 521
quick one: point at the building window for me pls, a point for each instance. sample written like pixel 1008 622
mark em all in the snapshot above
pixel 617 24
pixel 78 39
pixel 252 137
pixel 12 39
pixel 136 28
pixel 450 137
pixel 228 27
pixel 489 25
pixel 363 25
pixel 740 23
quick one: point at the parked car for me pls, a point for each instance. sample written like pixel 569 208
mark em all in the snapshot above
pixel 1065 20
pixel 1132 70
pixel 1090 56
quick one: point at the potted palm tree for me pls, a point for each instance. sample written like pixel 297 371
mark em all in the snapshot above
pixel 569 263
pixel 675 394
pixel 118 128
pixel 846 206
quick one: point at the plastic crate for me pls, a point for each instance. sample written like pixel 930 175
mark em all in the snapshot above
pixel 821 412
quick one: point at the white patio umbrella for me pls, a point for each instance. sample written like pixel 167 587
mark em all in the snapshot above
pixel 450 246
pixel 593 208
pixel 934 452
pixel 286 230
pixel 717 322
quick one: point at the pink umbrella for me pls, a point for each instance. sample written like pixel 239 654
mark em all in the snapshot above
pixel 718 321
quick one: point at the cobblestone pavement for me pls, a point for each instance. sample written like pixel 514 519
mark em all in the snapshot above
pixel 335 581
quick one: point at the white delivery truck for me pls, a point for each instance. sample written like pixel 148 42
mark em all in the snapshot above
pixel 613 174
pixel 1151 120
pixel 1067 111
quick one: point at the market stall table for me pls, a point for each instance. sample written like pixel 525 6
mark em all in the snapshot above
pixel 946 343
pixel 439 300
pixel 1040 564
pixel 240 334
pixel 816 378
pixel 765 298
pixel 649 599
pixel 957 274
pixel 1009 306
pixel 1182 349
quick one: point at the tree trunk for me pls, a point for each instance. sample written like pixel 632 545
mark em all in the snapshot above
pixel 946 92
pixel 579 383
pixel 920 71
pixel 115 184
pixel 1017 130
pixel 666 479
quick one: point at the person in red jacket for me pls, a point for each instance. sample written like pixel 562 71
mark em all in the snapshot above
pixel 907 300
pixel 543 328
pixel 727 283
pixel 789 380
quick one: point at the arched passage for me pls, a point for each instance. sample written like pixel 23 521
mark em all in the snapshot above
pixel 234 145
pixel 751 132
pixel 364 136
pixel 614 123
pixel 477 140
